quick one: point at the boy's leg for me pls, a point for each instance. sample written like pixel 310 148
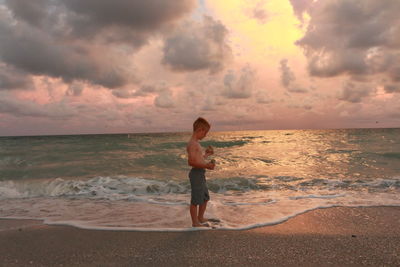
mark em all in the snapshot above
pixel 202 210
pixel 193 214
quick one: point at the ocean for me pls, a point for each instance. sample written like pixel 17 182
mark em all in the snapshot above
pixel 139 181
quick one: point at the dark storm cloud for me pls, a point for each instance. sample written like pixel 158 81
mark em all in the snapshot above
pixel 32 12
pixel 124 21
pixel 35 52
pixel 336 63
pixel 72 39
pixel 350 37
pixel 86 19
pixel 198 46
pixel 136 14
pixel 288 78
pixel 11 78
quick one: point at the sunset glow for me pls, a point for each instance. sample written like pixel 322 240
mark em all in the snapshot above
pixel 70 68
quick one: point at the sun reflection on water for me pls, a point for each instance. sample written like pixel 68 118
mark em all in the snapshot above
pixel 335 154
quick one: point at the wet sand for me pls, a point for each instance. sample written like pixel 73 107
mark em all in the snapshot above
pixel 334 236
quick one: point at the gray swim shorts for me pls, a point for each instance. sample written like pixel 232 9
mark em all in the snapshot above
pixel 199 187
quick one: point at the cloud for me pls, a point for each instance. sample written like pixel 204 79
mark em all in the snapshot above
pixel 142 90
pixel 197 46
pixel 88 19
pixel 300 6
pixel 32 12
pixel 164 99
pixel 35 52
pixel 145 16
pixel 18 107
pixel 263 98
pixel 258 12
pixel 74 89
pixel 239 85
pixel 354 93
pixel 335 63
pixel 11 78
pixel 83 40
pixel 124 93
pixel 353 38
pixel 209 104
pixel 301 106
pixel 392 88
pixel 145 90
pixel 288 78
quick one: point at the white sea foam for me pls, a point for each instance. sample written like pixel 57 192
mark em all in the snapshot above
pixel 98 187
pixel 318 196
pixel 132 188
pixel 8 190
pixel 169 211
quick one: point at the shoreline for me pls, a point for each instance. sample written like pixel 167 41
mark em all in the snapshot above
pixel 27 222
pixel 327 236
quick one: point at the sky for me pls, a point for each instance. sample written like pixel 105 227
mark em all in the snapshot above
pixel 125 66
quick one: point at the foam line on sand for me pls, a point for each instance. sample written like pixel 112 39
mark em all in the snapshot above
pixel 333 236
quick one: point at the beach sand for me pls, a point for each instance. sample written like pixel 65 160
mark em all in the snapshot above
pixel 334 236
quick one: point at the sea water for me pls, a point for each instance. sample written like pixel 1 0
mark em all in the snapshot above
pixel 139 181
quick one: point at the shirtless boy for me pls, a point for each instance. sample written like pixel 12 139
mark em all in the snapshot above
pixel 196 159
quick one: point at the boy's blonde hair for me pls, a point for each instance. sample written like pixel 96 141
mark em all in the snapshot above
pixel 201 123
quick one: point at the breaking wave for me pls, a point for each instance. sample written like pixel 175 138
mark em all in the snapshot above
pixel 121 187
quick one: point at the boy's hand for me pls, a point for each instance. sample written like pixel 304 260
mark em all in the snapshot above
pixel 209 151
pixel 211 165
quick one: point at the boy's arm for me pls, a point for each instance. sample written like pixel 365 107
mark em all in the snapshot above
pixel 209 152
pixel 196 159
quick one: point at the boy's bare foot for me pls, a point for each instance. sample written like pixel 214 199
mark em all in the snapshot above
pixel 203 220
pixel 200 225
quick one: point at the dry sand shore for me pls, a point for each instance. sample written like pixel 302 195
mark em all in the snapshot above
pixel 334 236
